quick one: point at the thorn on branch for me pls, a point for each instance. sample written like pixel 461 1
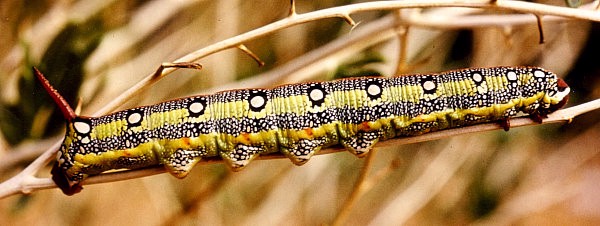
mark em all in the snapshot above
pixel 162 67
pixel 249 52
pixel 349 20
pixel 540 28
pixel 292 8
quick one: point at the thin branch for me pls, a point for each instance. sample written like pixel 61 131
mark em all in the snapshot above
pixel 436 20
pixel 25 152
pixel 25 182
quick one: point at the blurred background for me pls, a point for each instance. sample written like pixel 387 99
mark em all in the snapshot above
pixel 94 50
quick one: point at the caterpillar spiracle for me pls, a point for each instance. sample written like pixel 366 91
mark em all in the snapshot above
pixel 297 119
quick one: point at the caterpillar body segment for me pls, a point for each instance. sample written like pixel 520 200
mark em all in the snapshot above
pixel 300 119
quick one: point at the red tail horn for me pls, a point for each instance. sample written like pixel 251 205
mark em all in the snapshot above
pixel 67 111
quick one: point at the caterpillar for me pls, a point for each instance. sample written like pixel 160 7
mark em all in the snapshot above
pixel 297 119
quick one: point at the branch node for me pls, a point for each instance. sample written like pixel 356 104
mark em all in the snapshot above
pixel 249 52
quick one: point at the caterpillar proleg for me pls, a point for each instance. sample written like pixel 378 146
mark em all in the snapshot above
pixel 297 119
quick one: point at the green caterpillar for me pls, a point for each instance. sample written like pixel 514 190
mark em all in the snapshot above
pixel 297 119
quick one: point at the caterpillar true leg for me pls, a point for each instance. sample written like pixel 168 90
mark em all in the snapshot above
pixel 505 124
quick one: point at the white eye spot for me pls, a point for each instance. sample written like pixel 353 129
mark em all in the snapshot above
pixel 82 127
pixel 539 74
pixel 429 85
pixel 196 107
pixel 257 101
pixel 134 118
pixel 373 90
pixel 477 77
pixel 316 94
pixel 512 76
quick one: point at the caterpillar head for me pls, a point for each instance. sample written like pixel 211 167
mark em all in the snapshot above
pixel 64 164
pixel 67 173
pixel 556 95
pixel 561 92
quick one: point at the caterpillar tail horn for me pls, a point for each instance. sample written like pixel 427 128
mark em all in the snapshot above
pixel 62 104
pixel 69 114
